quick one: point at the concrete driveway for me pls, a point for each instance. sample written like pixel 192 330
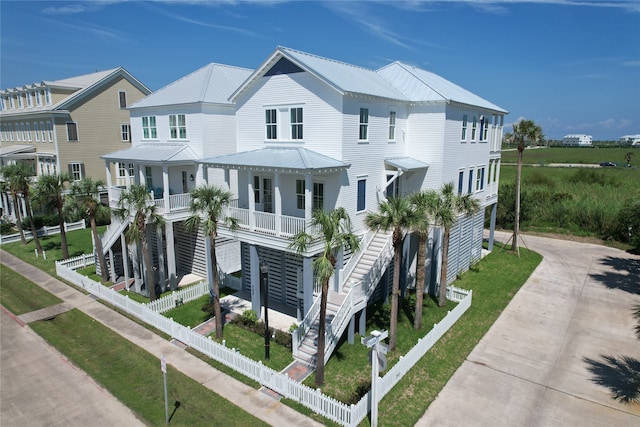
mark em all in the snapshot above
pixel 560 353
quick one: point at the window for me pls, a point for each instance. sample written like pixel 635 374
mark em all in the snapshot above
pixel 122 170
pixel 38 98
pixel 267 195
pixel 43 131
pixel 125 132
pixel 392 125
pixel 470 189
pixel 185 182
pixel 271 123
pixel 122 98
pixel 49 131
pixel 148 176
pixel 300 193
pixel 256 189
pixel 364 124
pixel 11 131
pixel 480 179
pixel 24 131
pixel 485 129
pixel 47 96
pixel 177 126
pixel 28 127
pixel 36 131
pixel 76 170
pixel 149 127
pixel 318 196
pixel 464 127
pixel 474 125
pixel 29 99
pixel 72 131
pixel 19 100
pixel 460 181
pixel 362 195
pixel 12 103
pixel 296 123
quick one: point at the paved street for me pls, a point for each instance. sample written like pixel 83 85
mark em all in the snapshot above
pixel 543 361
pixel 41 388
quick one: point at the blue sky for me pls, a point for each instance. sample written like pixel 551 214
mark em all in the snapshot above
pixel 573 66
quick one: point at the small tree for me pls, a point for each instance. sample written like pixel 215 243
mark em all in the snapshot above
pixel 399 215
pixel 19 176
pixel 524 131
pixel 335 228
pixel 48 191
pixel 207 205
pixel 85 195
pixel 136 203
pixel 425 203
pixel 627 158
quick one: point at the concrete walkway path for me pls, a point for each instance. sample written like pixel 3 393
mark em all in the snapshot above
pixel 559 352
pixel 254 401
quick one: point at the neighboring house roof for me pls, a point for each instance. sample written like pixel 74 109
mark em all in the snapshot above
pixel 278 158
pixel 16 149
pixel 395 81
pixel 83 85
pixel 213 83
pixel 405 163
pixel 154 153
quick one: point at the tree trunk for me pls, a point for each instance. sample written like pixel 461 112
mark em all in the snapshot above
pixel 422 251
pixel 516 225
pixel 34 232
pixel 442 295
pixel 395 291
pixel 103 263
pixel 16 206
pixel 322 326
pixel 148 261
pixel 63 237
pixel 217 310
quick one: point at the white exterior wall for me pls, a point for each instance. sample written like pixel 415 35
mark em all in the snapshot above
pixel 426 133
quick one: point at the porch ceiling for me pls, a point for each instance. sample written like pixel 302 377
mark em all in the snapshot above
pixel 154 153
pixel 280 159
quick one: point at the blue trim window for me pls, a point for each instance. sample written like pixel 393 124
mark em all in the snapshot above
pixel 362 195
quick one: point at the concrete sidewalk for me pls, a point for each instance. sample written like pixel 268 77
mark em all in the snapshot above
pixel 545 361
pixel 254 401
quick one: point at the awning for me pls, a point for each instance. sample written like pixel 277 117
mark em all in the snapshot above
pixel 278 159
pixel 405 164
pixel 154 153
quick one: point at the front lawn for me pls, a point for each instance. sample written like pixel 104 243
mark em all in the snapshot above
pixel 21 296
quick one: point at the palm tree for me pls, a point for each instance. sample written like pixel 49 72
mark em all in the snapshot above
pixel 399 215
pixel 424 202
pixel 523 131
pixel 448 207
pixel 137 202
pixel 18 175
pixel 209 201
pixel 335 229
pixel 48 191
pixel 85 195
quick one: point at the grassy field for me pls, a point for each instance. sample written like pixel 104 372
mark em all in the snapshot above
pixel 581 155
pixel 20 296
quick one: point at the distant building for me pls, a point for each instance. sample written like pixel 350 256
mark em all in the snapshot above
pixel 577 140
pixel 633 140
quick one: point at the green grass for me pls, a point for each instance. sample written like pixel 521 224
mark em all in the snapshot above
pixel 582 155
pixel 78 243
pixel 133 376
pixel 191 314
pixel 19 295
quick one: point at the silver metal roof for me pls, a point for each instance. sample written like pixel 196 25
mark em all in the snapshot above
pixel 277 158
pixel 154 153
pixel 15 149
pixel 423 86
pixel 405 163
pixel 213 83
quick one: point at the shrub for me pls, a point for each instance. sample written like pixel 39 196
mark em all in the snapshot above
pixel 37 221
pixel 6 227
pixel 628 216
pixel 540 178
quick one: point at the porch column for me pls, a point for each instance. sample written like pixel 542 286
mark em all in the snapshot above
pixel 142 176
pixel 278 203
pixel 199 174
pixel 125 260
pixel 307 283
pixel 107 164
pixel 112 266
pixel 492 227
pixel 362 325
pixel 351 329
pixel 205 173
pixel 337 272
pixel 165 184
pixel 171 256
pixel 254 265
pixel 136 173
pixel 161 270
pixel 127 178
pixel 308 202
pixel 252 204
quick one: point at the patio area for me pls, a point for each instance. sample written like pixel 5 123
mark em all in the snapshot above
pixel 280 316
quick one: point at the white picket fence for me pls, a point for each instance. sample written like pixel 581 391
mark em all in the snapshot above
pixel 44 231
pixel 328 407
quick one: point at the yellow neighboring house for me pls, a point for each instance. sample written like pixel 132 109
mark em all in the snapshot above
pixel 66 125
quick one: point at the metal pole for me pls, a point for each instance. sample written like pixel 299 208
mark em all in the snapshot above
pixel 264 272
pixel 166 399
pixel 374 387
